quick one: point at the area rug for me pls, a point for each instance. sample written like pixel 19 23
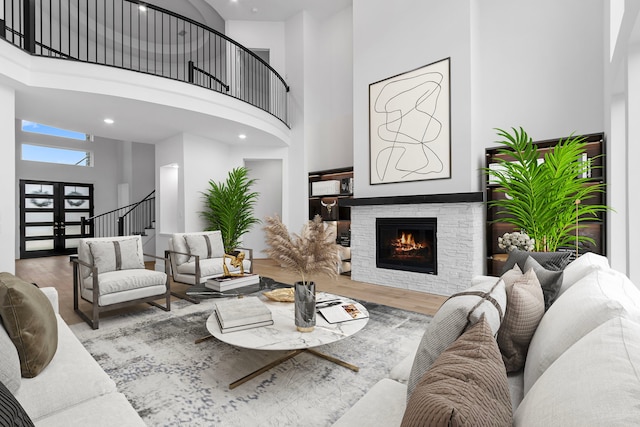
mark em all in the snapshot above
pixel 171 381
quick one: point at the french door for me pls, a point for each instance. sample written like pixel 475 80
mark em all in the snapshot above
pixel 50 215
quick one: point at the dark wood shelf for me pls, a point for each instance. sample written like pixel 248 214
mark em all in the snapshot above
pixel 595 150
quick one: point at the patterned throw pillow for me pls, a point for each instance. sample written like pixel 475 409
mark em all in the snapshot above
pixel 114 255
pixel 467 385
pixel 11 412
pixel 525 308
pixel 206 246
pixel 555 261
pixel 456 314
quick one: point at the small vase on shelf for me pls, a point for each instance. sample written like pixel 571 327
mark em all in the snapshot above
pixel 305 306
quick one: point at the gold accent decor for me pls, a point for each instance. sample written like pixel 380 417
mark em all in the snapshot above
pixel 236 261
pixel 281 295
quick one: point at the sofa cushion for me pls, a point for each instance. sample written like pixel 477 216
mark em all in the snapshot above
pixel 550 280
pixel 116 255
pixel 556 261
pixel 72 377
pixel 11 412
pixel 30 322
pixel 205 245
pixel 126 280
pixel 525 308
pixel 598 297
pixel 594 383
pixel 211 267
pixel 582 266
pixel 10 365
pixel 455 314
pixel 466 385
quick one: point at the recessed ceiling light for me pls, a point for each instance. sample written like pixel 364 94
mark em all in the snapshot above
pixel 109 121
pixel 142 8
pixel 242 136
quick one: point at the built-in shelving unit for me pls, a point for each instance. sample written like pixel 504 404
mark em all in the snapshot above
pixel 595 152
pixel 328 191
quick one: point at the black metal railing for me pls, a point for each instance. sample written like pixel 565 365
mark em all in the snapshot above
pixel 133 35
pixel 128 220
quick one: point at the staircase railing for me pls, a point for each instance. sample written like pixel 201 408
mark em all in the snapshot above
pixel 134 35
pixel 124 221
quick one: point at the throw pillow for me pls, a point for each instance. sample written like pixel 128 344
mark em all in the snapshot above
pixel 582 266
pixel 602 295
pixel 206 246
pixel 467 385
pixel 30 323
pixel 594 383
pixel 525 308
pixel 11 412
pixel 555 261
pixel 455 314
pixel 9 362
pixel 113 255
pixel 549 280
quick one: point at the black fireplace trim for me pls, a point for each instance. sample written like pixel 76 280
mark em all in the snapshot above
pixel 430 222
pixel 406 200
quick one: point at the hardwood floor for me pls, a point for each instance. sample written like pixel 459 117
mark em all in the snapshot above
pixel 58 272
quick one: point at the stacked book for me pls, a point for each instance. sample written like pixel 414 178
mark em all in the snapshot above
pixel 226 283
pixel 242 313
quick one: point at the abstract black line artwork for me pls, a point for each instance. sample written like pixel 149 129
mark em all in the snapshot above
pixel 409 126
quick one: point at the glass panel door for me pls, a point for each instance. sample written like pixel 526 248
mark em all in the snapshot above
pixel 50 216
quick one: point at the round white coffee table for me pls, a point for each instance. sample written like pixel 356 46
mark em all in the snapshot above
pixel 283 335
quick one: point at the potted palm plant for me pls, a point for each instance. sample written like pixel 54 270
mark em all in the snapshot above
pixel 229 207
pixel 313 251
pixel 545 199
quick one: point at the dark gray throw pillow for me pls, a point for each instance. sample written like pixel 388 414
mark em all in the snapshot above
pixel 550 281
pixel 554 261
pixel 11 412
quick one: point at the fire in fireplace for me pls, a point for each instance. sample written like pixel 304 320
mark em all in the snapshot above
pixel 407 244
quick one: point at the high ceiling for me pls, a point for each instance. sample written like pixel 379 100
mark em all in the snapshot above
pixel 275 10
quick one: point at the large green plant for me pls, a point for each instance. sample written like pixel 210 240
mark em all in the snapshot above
pixel 546 199
pixel 229 207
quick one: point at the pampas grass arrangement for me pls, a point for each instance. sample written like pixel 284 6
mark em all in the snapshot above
pixel 313 251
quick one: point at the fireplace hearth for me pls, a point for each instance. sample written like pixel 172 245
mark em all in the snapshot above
pixel 408 244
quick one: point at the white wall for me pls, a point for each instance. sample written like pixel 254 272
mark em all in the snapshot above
pixel 540 67
pixel 261 35
pixel 391 39
pixel 8 186
pixel 329 115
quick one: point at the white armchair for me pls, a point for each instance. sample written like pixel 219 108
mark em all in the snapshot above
pixel 197 257
pixel 109 273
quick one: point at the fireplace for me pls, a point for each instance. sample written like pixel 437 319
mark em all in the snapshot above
pixel 408 244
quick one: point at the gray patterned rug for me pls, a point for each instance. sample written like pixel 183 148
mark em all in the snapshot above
pixel 171 381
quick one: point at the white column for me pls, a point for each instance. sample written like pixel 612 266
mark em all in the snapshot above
pixel 633 154
pixel 8 187
pixel 617 241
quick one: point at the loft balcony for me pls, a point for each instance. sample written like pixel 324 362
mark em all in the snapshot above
pixel 135 36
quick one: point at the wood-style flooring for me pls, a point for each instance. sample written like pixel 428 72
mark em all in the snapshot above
pixel 58 272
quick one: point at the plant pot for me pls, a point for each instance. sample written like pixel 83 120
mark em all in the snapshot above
pixel 305 306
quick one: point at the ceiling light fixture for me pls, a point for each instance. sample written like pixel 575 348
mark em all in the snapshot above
pixel 142 8
pixel 108 121
pixel 242 136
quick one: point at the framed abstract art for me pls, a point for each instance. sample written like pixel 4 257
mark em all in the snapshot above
pixel 410 125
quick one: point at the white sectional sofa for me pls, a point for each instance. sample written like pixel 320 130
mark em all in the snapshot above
pixel 581 366
pixel 72 390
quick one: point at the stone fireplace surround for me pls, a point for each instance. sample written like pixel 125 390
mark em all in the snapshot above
pixel 460 237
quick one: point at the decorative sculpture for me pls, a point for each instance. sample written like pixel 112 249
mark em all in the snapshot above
pixel 236 261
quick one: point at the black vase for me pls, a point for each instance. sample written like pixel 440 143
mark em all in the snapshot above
pixel 305 306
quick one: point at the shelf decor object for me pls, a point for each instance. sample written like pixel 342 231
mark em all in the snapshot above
pixel 410 125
